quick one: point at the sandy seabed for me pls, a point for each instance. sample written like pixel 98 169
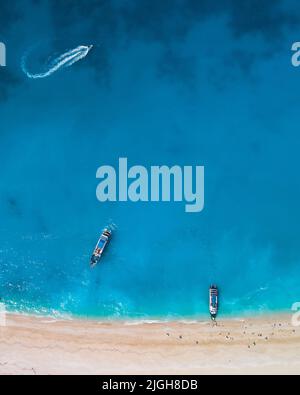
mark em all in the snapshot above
pixel 265 345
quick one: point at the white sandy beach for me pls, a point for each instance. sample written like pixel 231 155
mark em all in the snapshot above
pixel 29 345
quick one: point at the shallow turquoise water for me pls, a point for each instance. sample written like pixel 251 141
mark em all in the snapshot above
pixel 157 101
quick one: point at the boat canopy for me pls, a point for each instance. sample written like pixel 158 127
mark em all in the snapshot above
pixel 102 242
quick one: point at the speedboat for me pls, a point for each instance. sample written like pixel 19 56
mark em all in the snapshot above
pixel 100 247
pixel 213 301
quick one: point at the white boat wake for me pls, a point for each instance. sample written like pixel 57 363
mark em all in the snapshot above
pixel 65 60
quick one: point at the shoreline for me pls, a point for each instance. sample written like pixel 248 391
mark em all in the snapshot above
pixel 66 317
pixel 41 345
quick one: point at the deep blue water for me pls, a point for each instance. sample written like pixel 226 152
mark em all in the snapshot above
pixel 167 83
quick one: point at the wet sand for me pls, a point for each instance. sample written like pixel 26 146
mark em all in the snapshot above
pixel 266 345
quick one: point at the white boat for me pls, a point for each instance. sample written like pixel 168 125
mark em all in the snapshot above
pixel 213 301
pixel 100 247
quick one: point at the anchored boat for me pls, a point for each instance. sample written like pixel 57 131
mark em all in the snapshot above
pixel 100 247
pixel 213 302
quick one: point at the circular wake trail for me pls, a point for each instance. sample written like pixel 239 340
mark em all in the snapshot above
pixel 65 60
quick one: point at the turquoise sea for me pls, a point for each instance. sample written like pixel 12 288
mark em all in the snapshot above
pixel 166 83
